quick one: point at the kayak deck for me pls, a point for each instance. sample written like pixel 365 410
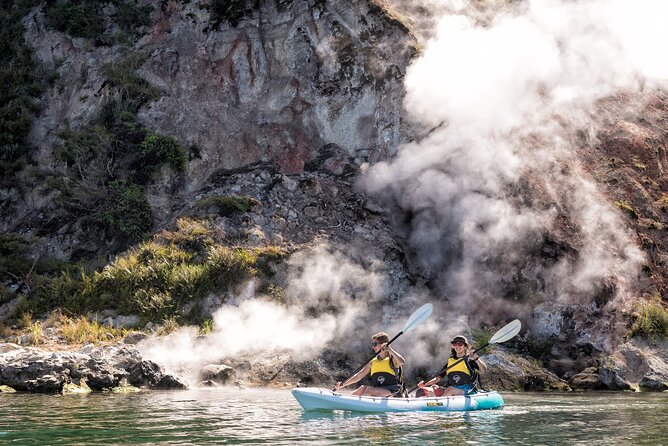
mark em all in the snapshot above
pixel 311 398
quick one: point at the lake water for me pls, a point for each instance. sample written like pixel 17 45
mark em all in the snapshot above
pixel 230 416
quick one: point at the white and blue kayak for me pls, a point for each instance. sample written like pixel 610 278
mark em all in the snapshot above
pixel 312 398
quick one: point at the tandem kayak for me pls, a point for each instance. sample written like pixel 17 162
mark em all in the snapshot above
pixel 312 398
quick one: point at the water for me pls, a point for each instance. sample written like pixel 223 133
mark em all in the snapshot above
pixel 229 416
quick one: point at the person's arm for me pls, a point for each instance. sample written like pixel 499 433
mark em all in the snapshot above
pixel 396 358
pixel 473 357
pixel 435 380
pixel 355 378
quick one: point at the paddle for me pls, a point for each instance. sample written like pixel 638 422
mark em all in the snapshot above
pixel 506 333
pixel 420 315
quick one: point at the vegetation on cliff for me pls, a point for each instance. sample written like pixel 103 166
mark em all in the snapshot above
pixel 23 82
pixel 165 277
pixel 650 320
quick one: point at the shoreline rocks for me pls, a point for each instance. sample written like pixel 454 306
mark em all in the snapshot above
pixel 635 366
pixel 91 368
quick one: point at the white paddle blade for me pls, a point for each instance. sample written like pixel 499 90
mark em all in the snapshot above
pixel 420 315
pixel 506 333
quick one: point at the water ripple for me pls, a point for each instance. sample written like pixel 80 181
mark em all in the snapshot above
pixel 230 416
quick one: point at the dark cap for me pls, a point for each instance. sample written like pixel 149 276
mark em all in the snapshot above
pixel 460 338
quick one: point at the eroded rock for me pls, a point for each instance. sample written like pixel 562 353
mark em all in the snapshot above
pixel 97 368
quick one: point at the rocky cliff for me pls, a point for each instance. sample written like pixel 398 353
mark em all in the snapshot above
pixel 287 124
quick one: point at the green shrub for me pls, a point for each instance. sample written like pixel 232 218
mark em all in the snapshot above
pixel 134 90
pixel 206 327
pixel 481 336
pixel 157 278
pixel 126 211
pixel 78 18
pixel 650 320
pixel 87 151
pixel 130 17
pixel 84 18
pixel 17 263
pixel 23 82
pixel 230 11
pixel 158 150
pixel 228 205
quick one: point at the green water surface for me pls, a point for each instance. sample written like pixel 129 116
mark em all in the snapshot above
pixel 232 416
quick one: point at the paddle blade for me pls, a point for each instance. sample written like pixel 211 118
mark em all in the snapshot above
pixel 506 333
pixel 420 315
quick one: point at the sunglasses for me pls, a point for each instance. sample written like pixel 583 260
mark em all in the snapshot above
pixel 458 343
pixel 375 344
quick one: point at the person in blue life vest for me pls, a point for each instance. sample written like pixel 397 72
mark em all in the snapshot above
pixel 383 369
pixel 461 377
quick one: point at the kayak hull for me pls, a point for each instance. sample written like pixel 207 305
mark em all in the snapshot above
pixel 311 398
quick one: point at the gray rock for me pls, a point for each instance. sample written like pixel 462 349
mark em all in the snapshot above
pixel 135 337
pixel 588 379
pixel 506 371
pixel 221 374
pixel 100 368
pixel 636 365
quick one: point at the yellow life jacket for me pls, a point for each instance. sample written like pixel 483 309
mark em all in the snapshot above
pixel 460 374
pixel 382 373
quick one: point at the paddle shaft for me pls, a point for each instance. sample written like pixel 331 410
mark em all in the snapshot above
pixel 370 359
pixel 453 364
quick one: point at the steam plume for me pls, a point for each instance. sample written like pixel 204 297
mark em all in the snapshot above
pixel 503 93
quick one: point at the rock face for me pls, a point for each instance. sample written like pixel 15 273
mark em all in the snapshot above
pixel 218 374
pixel 636 366
pixel 506 371
pixel 288 102
pixel 281 85
pixel 285 85
pixel 98 368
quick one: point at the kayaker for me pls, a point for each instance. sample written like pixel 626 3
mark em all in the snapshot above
pixel 460 377
pixel 383 369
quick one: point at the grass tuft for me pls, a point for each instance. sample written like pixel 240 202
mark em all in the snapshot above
pixel 650 320
pixel 159 277
pixel 626 207
pixel 82 331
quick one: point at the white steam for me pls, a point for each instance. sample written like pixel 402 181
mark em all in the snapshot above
pixel 326 298
pixel 504 95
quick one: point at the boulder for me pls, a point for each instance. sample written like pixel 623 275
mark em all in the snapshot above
pixel 636 365
pixel 134 337
pixel 506 371
pixel 217 373
pixel 96 368
pixel 71 388
pixel 6 389
pixel 150 374
pixel 587 379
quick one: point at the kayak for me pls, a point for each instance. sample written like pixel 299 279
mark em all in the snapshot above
pixel 312 398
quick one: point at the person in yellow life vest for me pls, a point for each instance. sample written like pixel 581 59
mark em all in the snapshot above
pixel 383 369
pixel 460 377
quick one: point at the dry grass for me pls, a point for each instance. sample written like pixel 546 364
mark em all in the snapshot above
pixel 5 331
pixel 650 320
pixel 169 325
pixel 82 331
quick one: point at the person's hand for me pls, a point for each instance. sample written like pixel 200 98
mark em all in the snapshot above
pixel 385 348
pixel 421 384
pixel 472 354
pixel 338 385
